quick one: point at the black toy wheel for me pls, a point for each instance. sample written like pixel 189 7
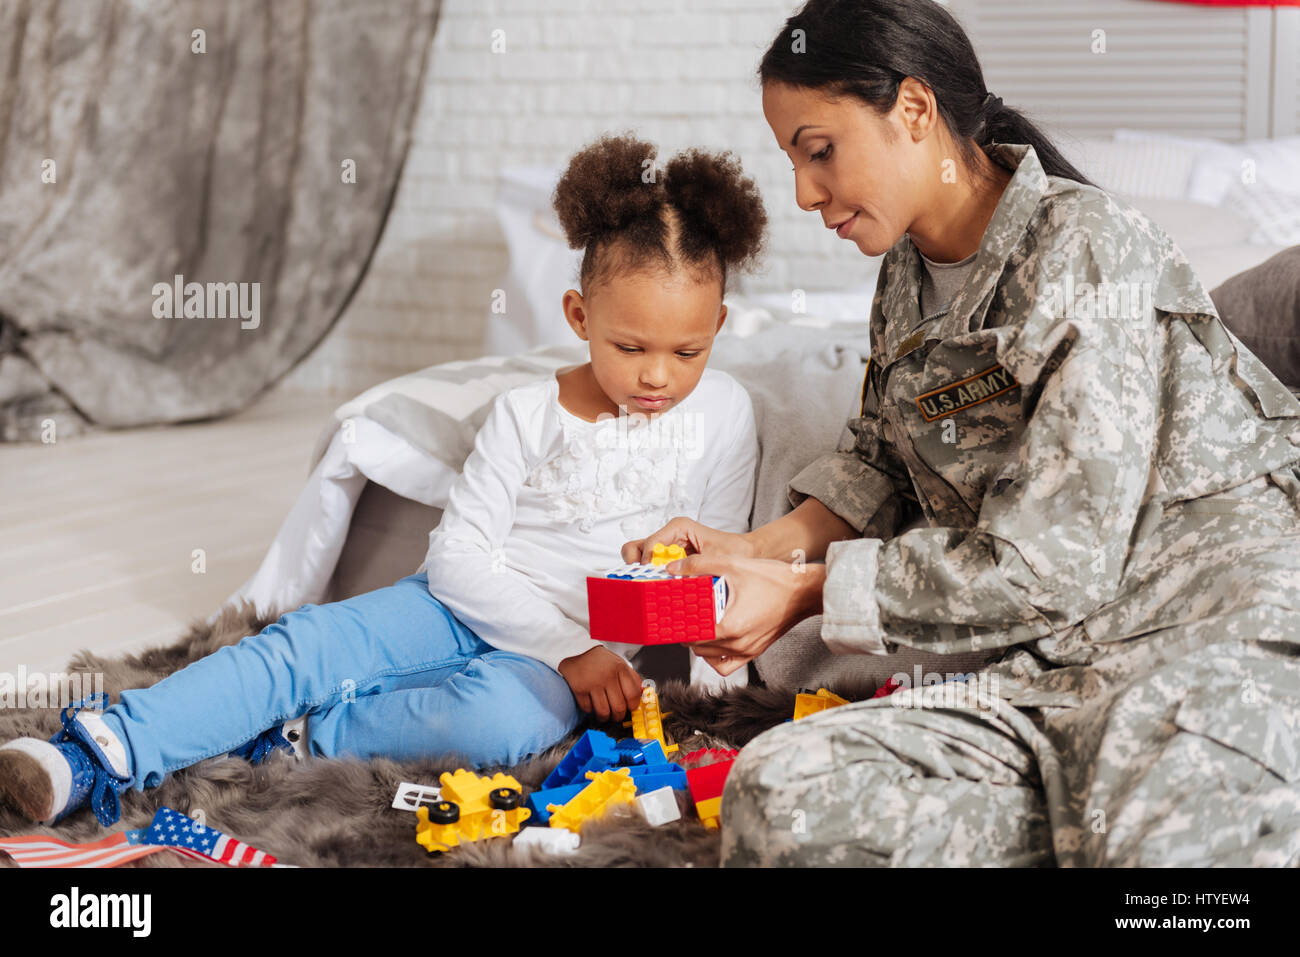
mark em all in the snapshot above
pixel 505 799
pixel 444 812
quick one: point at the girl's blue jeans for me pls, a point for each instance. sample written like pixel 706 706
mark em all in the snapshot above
pixel 391 673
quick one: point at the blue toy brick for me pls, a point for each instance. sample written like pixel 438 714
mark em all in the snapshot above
pixel 654 753
pixel 594 751
pixel 649 778
pixel 538 800
pixel 630 752
pixel 636 753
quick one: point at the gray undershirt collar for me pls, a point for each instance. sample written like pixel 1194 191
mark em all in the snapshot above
pixel 940 283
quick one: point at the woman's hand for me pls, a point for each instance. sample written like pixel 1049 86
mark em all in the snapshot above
pixel 602 683
pixel 766 598
pixel 692 536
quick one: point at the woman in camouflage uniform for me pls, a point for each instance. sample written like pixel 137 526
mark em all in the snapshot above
pixel 1108 488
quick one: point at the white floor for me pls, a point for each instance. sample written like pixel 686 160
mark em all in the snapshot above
pixel 98 533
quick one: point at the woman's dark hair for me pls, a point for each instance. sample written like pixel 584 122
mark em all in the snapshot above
pixel 864 49
pixel 699 212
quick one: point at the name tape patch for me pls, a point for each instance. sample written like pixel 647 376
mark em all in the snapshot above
pixel 965 393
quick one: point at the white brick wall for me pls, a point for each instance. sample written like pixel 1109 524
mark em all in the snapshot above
pixel 680 73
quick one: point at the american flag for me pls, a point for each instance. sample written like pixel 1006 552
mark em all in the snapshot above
pixel 170 830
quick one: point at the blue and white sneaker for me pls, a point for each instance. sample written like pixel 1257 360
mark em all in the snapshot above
pixel 83 763
pixel 291 736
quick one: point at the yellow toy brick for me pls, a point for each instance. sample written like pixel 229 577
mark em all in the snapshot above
pixel 471 808
pixel 806 704
pixel 432 836
pixel 471 791
pixel 647 722
pixel 607 789
pixel 663 554
pixel 710 811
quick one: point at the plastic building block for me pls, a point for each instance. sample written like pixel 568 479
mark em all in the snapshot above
pixel 594 751
pixel 888 688
pixel 710 812
pixel 410 796
pixel 630 752
pixel 647 721
pixel 549 840
pixel 638 572
pixel 538 801
pixel 638 754
pixel 608 789
pixel 662 554
pixel 653 751
pixel 653 777
pixel 645 761
pixel 645 605
pixel 707 781
pixel 706 785
pixel 659 807
pixel 806 704
pixel 709 756
pixel 470 808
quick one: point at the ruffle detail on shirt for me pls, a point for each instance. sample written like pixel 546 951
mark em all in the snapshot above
pixel 648 480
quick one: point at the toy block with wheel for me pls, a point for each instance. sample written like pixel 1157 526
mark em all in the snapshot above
pixel 470 808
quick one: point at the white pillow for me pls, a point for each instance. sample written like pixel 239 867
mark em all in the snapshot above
pixel 1219 166
pixel 541 265
pixel 1277 163
pixel 1271 201
pixel 1276 214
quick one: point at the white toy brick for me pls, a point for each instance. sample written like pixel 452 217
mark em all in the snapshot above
pixel 552 840
pixel 659 807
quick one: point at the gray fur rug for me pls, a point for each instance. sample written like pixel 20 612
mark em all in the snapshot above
pixel 338 813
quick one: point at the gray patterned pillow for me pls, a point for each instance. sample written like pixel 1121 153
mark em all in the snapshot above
pixel 1261 307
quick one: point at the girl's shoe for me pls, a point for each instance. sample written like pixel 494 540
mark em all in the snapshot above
pixel 289 736
pixel 83 763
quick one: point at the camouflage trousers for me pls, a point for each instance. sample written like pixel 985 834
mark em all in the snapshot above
pixel 1180 747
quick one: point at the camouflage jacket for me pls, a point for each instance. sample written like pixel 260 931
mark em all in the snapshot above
pixel 1050 427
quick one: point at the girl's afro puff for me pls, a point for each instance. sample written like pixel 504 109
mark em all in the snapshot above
pixel 712 195
pixel 701 213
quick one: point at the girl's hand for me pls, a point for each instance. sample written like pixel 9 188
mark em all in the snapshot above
pixel 766 598
pixel 602 683
pixel 692 536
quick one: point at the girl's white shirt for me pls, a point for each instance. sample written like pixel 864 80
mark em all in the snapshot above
pixel 547 498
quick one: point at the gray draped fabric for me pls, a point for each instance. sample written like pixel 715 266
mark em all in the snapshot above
pixel 226 166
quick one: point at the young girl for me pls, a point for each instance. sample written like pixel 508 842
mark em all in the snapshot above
pixel 484 652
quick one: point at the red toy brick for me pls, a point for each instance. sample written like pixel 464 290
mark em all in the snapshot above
pixel 713 755
pixel 888 688
pixel 651 611
pixel 707 782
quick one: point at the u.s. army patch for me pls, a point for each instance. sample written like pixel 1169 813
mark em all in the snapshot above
pixel 965 393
